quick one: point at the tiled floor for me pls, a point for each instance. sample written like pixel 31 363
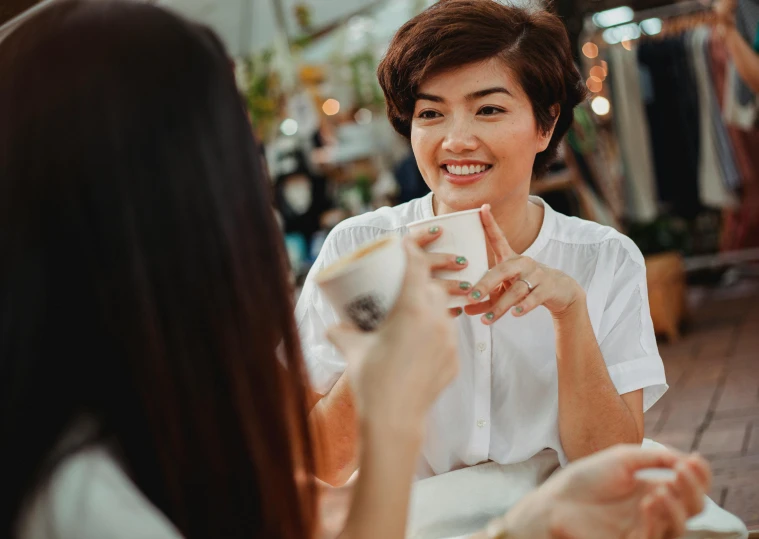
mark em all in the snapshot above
pixel 712 405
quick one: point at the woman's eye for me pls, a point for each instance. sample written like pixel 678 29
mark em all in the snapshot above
pixel 490 111
pixel 428 114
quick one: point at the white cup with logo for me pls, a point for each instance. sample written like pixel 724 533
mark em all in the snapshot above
pixel 364 285
pixel 462 235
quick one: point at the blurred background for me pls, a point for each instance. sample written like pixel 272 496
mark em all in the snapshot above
pixel 665 150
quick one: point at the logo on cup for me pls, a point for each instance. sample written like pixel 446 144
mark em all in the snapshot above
pixel 366 311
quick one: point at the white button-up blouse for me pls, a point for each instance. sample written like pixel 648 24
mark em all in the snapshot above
pixel 503 406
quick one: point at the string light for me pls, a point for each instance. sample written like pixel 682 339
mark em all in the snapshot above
pixel 600 105
pixel 598 72
pixel 331 107
pixel 590 50
pixel 289 127
pixel 363 116
pixel 594 84
pixel 613 17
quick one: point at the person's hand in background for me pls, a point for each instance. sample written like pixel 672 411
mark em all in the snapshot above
pixel 605 496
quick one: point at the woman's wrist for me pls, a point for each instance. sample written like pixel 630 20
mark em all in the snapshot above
pixel 529 519
pixel 403 433
pixel 576 308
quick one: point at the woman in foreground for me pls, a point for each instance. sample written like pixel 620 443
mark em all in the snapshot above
pixel 151 381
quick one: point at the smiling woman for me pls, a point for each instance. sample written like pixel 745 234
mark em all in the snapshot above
pixel 485 92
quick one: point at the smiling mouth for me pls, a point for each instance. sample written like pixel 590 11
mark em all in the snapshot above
pixel 466 170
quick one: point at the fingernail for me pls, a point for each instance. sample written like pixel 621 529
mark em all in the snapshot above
pixel 519 310
pixel 490 316
pixel 463 285
pixel 476 294
pixel 460 260
pixel 434 229
pixel 459 311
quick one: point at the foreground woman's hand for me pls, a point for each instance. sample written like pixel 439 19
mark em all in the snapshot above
pixel 396 374
pixel 602 497
pixel 398 371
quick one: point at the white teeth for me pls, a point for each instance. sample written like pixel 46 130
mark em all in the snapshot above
pixel 466 169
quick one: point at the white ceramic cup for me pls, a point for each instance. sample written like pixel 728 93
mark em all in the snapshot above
pixel 364 285
pixel 463 235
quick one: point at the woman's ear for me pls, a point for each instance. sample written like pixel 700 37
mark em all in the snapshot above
pixel 544 138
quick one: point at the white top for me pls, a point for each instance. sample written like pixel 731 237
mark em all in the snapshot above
pixel 503 406
pixel 90 497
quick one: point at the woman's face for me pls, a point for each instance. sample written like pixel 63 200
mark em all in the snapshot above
pixel 474 136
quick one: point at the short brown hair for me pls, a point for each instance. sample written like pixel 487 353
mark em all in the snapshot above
pixel 453 33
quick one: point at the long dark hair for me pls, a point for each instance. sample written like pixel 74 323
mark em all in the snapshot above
pixel 142 274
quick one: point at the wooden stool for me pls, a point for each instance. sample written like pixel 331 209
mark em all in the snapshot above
pixel 666 293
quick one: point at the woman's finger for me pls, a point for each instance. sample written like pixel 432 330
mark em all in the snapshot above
pixel 507 270
pixel 700 467
pixel 518 292
pixel 426 235
pixel 531 301
pixel 455 288
pixel 481 307
pixel 443 261
pixel 672 510
pixel 689 488
pixel 495 236
pixel 652 523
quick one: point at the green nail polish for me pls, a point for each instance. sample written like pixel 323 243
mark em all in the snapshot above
pixel 459 311
pixel 476 294
pixel 463 285
pixel 460 260
pixel 519 310
pixel 434 229
pixel 490 316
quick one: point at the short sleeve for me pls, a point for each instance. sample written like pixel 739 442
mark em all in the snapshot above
pixel 314 314
pixel 626 332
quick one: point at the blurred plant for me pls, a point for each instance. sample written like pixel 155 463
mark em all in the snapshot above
pixel 303 17
pixel 365 86
pixel 262 92
pixel 666 233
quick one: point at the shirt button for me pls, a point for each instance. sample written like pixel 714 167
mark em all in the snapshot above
pixel 481 346
pixel 481 423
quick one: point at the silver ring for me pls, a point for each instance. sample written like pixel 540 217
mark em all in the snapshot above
pixel 529 285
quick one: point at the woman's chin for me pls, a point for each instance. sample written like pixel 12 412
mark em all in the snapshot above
pixel 447 202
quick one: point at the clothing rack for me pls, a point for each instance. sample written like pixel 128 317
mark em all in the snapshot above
pixel 691 13
pixel 669 11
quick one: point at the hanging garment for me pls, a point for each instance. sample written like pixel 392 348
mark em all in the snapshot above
pixel 634 138
pixel 731 174
pixel 711 183
pixel 673 121
pixel 741 227
pixel 740 102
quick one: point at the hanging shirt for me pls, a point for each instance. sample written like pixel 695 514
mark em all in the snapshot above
pixel 630 86
pixel 503 406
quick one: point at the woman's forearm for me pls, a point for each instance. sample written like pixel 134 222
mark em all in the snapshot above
pixel 592 415
pixel 334 425
pixel 380 503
